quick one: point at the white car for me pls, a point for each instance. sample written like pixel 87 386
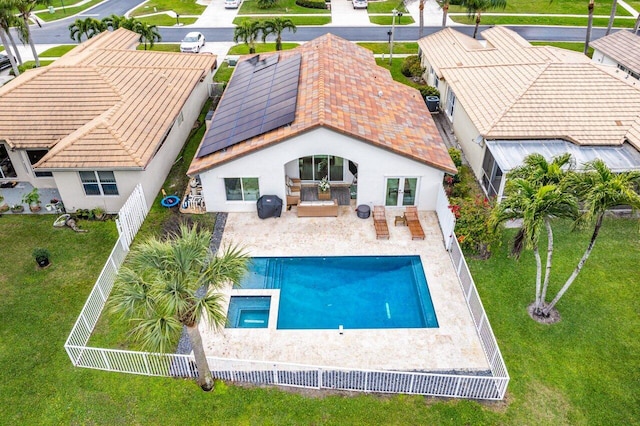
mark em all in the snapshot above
pixel 360 4
pixel 192 42
pixel 232 4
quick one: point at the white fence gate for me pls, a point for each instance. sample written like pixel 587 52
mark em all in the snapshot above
pixel 446 218
pixel 490 386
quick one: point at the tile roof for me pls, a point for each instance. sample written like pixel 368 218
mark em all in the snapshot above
pixel 544 96
pixel 622 46
pixel 101 105
pixel 342 88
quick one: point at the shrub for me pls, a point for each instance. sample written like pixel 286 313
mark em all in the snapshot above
pixel 411 67
pixel 472 225
pixel 266 4
pixel 429 91
pixel 456 156
pixel 312 4
pixel 41 255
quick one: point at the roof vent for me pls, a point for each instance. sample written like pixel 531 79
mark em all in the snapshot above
pixel 379 93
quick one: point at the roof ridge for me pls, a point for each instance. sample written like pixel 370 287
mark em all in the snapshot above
pixel 545 66
pixel 120 141
pixel 321 85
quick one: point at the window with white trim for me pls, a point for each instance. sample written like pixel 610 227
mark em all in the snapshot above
pixel 241 189
pixel 99 183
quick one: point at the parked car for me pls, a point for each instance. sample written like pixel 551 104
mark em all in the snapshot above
pixel 232 4
pixel 360 4
pixel 192 42
pixel 5 63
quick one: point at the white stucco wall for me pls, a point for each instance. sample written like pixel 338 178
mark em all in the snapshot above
pixel 601 58
pixel 70 186
pixel 268 165
pixel 24 171
pixel 466 134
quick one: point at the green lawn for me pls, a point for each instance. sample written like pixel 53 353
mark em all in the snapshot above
pixel 162 47
pixel 396 73
pixel 181 7
pixel 569 45
pixel 57 51
pixel 386 6
pixel 223 75
pixel 387 20
pixel 283 7
pixel 568 7
pixel 400 47
pixel 297 20
pixel 166 20
pixel 67 11
pixel 243 49
pixel 543 20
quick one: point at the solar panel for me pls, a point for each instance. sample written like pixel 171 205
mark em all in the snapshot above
pixel 261 96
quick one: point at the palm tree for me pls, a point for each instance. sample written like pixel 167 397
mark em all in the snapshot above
pixel 25 7
pixel 612 16
pixel 589 26
pixel 421 25
pixel 88 27
pixel 248 31
pixel 600 190
pixel 476 7
pixel 277 26
pixel 445 11
pixel 538 171
pixel 637 24
pixel 113 22
pixel 8 20
pixel 12 60
pixel 536 205
pixel 165 285
pixel 148 33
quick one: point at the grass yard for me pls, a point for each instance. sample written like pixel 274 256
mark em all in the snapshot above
pixel 400 48
pixel 297 20
pixel 69 10
pixel 388 20
pixel 164 20
pixel 283 7
pixel 584 370
pixel 243 49
pixel 568 7
pixel 181 7
pixel 57 51
pixel 386 6
pixel 223 75
pixel 569 45
pixel 396 73
pixel 162 47
pixel 543 20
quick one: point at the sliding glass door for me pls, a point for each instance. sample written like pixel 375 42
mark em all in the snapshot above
pixel 317 167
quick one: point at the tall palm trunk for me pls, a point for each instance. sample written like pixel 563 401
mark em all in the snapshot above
pixel 637 25
pixel 3 38
pixel 278 42
pixel 445 12
pixel 421 29
pixel 205 380
pixel 578 268
pixel 612 16
pixel 589 26
pixel 33 46
pixel 547 273
pixel 536 254
pixel 475 31
pixel 14 46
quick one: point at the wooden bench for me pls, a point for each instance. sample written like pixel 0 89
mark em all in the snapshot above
pixel 317 208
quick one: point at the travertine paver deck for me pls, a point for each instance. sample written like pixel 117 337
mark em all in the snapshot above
pixel 452 346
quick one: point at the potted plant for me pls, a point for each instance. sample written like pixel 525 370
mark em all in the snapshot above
pixel 98 213
pixel 41 255
pixel 324 184
pixel 17 208
pixel 3 206
pixel 32 199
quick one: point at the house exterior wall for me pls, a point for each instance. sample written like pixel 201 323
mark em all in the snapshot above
pixel 268 165
pixel 466 134
pixel 70 186
pixel 24 171
pixel 603 59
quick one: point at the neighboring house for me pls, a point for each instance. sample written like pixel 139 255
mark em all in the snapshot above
pixel 101 119
pixel 323 109
pixel 620 49
pixel 506 99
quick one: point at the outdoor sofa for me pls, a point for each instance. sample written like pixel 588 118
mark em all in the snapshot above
pixel 318 208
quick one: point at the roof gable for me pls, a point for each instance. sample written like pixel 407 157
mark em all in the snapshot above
pixel 342 88
pixel 623 47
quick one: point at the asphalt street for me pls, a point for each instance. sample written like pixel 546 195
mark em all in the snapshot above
pixel 58 33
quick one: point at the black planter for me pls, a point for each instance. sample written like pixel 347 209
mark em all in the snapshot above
pixel 42 262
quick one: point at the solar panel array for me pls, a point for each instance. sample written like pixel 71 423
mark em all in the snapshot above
pixel 261 96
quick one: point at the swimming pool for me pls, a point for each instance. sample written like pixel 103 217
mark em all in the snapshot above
pixel 364 292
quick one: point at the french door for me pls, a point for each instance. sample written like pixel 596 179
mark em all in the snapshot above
pixel 401 191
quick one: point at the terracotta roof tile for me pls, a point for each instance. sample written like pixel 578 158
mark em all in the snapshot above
pixel 100 105
pixel 339 88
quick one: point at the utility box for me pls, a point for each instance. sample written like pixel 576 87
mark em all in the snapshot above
pixel 432 103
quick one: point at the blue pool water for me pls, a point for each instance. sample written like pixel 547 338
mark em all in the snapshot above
pixel 248 312
pixel 355 292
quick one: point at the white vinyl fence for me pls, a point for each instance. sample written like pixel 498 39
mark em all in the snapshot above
pixel 491 386
pixel 131 216
pixel 446 218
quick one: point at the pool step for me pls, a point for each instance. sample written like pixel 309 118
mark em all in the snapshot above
pixel 274 273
